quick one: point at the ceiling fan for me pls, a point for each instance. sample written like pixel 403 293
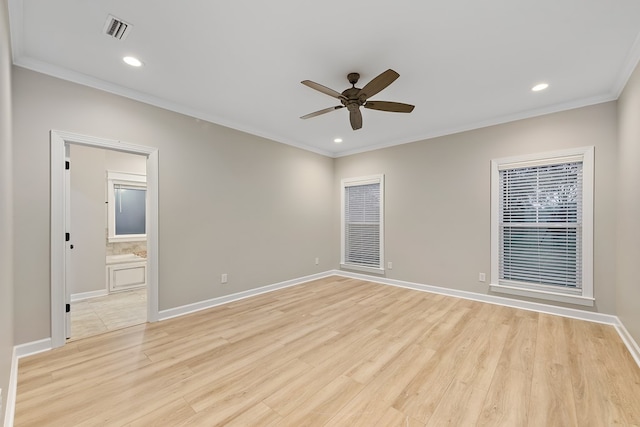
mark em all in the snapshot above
pixel 353 98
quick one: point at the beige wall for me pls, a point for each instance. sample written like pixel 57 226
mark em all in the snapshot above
pixel 6 202
pixel 230 202
pixel 628 249
pixel 437 196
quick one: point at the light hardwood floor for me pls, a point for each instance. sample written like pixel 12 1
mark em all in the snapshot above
pixel 339 352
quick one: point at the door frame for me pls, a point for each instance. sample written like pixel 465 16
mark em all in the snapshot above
pixel 59 140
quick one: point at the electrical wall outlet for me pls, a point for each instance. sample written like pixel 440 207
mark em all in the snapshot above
pixel 390 265
pixel 482 277
pixel 317 261
pixel 223 278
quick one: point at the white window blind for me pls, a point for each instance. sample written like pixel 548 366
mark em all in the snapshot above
pixel 540 225
pixel 362 222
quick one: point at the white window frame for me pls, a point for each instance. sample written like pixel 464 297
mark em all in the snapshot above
pixel 352 182
pixel 121 178
pixel 583 296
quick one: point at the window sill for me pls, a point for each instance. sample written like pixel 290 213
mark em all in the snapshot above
pixel 353 267
pixel 546 295
pixel 131 238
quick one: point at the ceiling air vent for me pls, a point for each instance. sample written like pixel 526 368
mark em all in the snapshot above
pixel 117 28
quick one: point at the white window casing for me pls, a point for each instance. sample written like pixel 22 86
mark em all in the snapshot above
pixel 116 181
pixel 542 226
pixel 362 224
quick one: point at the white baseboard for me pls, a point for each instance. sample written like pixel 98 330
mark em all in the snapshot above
pixel 10 404
pixel 203 305
pixel 87 295
pixel 628 340
pixel 491 299
pixel 32 348
pixel 589 316
pixel 19 352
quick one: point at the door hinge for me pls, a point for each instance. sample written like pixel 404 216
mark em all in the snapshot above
pixel 67 308
pixel 67 165
pixel 67 237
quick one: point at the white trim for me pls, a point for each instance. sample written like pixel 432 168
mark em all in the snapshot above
pixel 58 141
pixel 540 294
pixel 203 305
pixel 545 160
pixel 628 340
pixel 575 154
pixel 352 182
pixel 20 351
pixel 588 191
pixel 108 144
pixel 33 347
pixel 81 296
pixel 362 180
pixel 492 299
pixel 12 390
pixel 127 177
pixel 630 64
pixel 370 270
pixel 128 238
pixel 58 247
pixel 16 22
pixel 584 154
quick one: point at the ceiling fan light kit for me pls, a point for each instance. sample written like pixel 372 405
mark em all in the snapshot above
pixel 353 98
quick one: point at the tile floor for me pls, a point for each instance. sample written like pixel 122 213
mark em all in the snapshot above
pixel 114 311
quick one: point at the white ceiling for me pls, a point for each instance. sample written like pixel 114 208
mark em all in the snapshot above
pixel 464 63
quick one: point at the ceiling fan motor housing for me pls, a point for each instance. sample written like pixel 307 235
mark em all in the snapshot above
pixel 352 97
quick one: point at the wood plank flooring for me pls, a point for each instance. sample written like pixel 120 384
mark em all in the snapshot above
pixel 339 352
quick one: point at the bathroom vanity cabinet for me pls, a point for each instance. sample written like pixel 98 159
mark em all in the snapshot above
pixel 125 272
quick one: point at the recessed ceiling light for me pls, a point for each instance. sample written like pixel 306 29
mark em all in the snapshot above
pixel 133 61
pixel 539 87
pixel 337 140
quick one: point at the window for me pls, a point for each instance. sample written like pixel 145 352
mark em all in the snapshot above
pixel 127 197
pixel 362 223
pixel 542 216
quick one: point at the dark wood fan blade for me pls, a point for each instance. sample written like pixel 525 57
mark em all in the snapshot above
pixel 323 89
pixel 395 107
pixel 326 110
pixel 355 116
pixel 379 83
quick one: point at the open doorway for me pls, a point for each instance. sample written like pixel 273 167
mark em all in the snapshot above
pixel 62 244
pixel 107 263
